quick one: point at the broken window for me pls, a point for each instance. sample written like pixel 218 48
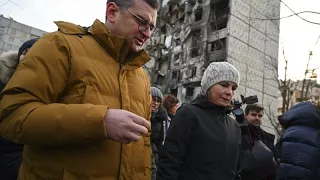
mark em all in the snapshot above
pixel 215 27
pixel 189 91
pixel 219 19
pixel 160 79
pixel 175 74
pixel 194 52
pixel 182 19
pixel 221 4
pixel 165 58
pixel 176 57
pixel 163 29
pixel 192 2
pixel 174 92
pixel 218 45
pixel 196 37
pixel 193 71
pixel 196 34
pixel 198 14
pixel 178 42
pixel 219 15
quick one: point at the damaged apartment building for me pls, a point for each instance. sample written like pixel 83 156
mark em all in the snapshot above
pixel 193 33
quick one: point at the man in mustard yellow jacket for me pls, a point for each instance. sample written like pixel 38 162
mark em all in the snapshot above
pixel 80 100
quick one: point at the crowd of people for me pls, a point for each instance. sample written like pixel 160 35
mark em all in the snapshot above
pixel 76 104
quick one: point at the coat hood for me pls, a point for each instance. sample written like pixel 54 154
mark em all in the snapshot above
pixel 301 114
pixel 202 102
pixel 8 64
pixel 115 45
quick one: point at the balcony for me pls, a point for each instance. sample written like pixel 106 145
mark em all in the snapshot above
pixel 217 56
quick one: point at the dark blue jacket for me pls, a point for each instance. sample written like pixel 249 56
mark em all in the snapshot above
pixel 300 144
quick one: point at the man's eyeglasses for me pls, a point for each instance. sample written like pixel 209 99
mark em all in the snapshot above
pixel 143 24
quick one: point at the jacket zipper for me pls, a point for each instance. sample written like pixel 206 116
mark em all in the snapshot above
pixel 120 68
pixel 121 145
pixel 227 140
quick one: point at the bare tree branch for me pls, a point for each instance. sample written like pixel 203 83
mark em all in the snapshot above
pixel 274 120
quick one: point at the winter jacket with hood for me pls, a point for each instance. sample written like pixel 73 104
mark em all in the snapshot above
pixel 10 152
pixel 203 143
pixel 56 101
pixel 300 144
pixel 259 162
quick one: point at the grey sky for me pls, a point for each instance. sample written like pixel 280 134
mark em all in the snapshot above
pixel 296 36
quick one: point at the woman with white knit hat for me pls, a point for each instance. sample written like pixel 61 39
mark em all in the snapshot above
pixel 203 141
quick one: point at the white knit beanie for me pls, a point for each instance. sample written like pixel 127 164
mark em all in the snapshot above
pixel 217 72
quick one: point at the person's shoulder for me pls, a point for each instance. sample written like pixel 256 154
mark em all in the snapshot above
pixel 268 135
pixel 9 58
pixel 186 115
pixel 8 64
pixel 162 109
pixel 65 31
pixel 69 28
pixel 186 109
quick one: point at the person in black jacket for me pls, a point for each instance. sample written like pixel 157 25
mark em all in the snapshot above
pixel 171 104
pixel 203 141
pixel 10 152
pixel 159 122
pixel 260 159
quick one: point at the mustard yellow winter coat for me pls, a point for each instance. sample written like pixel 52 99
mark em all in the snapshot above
pixel 56 101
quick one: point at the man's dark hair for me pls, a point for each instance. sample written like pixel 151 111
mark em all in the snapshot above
pixel 128 3
pixel 253 107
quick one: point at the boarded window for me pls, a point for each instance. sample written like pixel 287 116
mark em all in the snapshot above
pixel 189 91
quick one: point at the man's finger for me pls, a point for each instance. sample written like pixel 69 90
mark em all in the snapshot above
pixel 130 136
pixel 138 129
pixel 125 141
pixel 141 121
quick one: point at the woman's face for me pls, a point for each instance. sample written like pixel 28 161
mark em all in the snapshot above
pixel 222 93
pixel 155 103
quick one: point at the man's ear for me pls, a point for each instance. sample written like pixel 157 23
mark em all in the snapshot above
pixel 112 11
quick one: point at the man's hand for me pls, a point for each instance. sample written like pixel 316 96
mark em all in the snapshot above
pixel 123 126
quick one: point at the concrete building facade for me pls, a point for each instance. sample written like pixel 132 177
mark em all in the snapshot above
pixel 193 33
pixel 13 34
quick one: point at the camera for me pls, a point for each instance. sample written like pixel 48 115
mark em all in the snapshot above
pixel 238 111
pixel 239 115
